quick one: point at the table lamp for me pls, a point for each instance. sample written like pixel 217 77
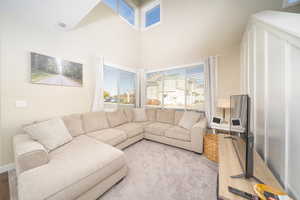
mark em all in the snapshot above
pixel 223 104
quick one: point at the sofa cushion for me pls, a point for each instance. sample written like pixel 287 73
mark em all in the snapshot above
pixel 151 114
pixel 188 119
pixel 178 115
pixel 179 133
pixel 51 133
pixel 94 121
pixel 165 116
pixel 84 160
pixel 144 124
pixel 128 113
pixel 110 136
pixel 139 115
pixel 131 129
pixel 157 128
pixel 74 124
pixel 116 118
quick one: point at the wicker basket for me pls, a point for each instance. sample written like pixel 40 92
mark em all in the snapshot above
pixel 211 147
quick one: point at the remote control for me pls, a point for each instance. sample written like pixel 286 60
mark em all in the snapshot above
pixel 242 194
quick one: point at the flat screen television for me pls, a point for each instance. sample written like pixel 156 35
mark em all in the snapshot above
pixel 241 135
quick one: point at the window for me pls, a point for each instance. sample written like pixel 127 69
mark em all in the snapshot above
pixel 174 88
pixel 154 88
pixel 195 88
pixel 288 3
pixel 125 10
pixel 119 87
pixel 178 88
pixel 113 4
pixel 151 14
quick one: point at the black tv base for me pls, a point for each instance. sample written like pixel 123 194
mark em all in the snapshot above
pixel 243 176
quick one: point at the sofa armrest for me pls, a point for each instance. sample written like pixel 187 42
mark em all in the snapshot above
pixel 29 154
pixel 197 133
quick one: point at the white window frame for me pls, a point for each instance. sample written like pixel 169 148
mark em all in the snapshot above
pixel 162 69
pixel 145 9
pixel 124 68
pixel 286 4
pixel 136 14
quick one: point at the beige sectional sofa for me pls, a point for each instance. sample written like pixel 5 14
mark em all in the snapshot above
pixel 92 161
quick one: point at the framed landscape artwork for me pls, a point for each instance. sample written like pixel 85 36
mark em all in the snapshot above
pixel 54 71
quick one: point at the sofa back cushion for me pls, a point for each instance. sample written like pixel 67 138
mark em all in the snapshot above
pixel 74 124
pixel 165 116
pixel 151 114
pixel 51 133
pixel 188 119
pixel 129 114
pixel 139 115
pixel 94 121
pixel 116 118
pixel 178 115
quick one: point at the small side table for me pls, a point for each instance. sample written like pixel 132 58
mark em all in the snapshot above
pixel 211 147
pixel 225 128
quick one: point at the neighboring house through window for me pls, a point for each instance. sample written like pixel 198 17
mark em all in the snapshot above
pixel 182 88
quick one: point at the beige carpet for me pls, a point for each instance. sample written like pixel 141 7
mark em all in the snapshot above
pixel 158 171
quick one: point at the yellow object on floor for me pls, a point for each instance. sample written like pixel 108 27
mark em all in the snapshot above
pixel 261 188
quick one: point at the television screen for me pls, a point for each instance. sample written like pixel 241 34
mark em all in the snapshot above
pixel 242 140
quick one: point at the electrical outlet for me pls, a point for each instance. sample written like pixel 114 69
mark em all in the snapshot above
pixel 21 104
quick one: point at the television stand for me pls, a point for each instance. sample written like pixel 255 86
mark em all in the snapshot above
pixel 243 176
pixel 229 165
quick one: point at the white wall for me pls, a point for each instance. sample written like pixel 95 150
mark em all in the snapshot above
pixel 270 75
pixel 102 33
pixel 190 30
pixel 193 29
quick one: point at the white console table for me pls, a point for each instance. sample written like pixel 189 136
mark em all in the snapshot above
pixel 225 127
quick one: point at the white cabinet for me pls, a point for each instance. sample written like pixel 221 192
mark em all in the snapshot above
pixel 270 74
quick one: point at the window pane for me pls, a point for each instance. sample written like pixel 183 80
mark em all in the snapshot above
pixel 110 94
pixel 153 16
pixel 113 4
pixel 195 88
pixel 293 1
pixel 127 87
pixel 174 88
pixel 126 11
pixel 154 88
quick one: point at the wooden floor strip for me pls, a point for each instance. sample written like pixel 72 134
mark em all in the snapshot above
pixel 4 187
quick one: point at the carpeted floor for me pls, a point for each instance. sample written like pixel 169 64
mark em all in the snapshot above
pixel 158 171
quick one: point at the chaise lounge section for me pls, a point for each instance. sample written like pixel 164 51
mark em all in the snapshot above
pixel 92 161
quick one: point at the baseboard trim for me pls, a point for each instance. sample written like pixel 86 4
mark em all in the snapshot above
pixel 6 168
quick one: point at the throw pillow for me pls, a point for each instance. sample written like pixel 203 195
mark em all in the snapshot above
pixel 165 116
pixel 189 119
pixel 116 118
pixel 129 114
pixel 94 121
pixel 51 133
pixel 74 124
pixel 139 115
pixel 151 114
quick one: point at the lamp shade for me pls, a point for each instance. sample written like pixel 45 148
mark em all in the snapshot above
pixel 223 103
